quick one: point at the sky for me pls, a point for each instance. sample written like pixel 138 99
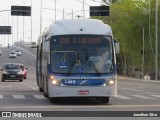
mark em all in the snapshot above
pixel 21 25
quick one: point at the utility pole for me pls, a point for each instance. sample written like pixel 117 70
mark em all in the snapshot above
pixel 156 59
pixel 17 29
pixel 23 27
pixel 83 10
pixel 31 21
pixel 4 35
pixel 55 10
pixel 12 30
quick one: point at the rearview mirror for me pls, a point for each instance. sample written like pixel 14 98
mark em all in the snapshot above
pixel 116 44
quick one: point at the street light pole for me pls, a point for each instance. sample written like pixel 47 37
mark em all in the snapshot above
pixel 17 29
pixel 8 25
pixel 143 56
pixel 41 18
pixel 4 35
pixel 55 10
pixel 156 59
pixel 31 21
pixel 23 26
pixel 12 31
pixel 83 10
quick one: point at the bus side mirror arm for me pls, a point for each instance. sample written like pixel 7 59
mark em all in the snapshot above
pixel 116 44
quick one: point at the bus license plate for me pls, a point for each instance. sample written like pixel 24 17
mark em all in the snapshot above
pixel 83 92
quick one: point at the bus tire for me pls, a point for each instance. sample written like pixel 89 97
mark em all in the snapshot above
pixel 3 79
pixel 45 95
pixel 54 100
pixel 40 89
pixel 104 99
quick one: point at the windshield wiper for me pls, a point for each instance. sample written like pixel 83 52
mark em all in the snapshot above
pixel 71 68
pixel 91 63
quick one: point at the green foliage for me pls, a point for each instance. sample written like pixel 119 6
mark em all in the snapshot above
pixel 127 19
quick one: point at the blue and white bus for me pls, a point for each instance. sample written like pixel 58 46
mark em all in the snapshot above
pixel 77 58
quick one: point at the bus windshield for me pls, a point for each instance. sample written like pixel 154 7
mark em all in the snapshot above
pixel 86 54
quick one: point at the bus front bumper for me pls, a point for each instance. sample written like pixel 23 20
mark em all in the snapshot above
pixel 82 91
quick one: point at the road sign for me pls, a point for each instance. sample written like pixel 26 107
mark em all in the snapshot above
pixel 5 29
pixel 99 10
pixel 21 10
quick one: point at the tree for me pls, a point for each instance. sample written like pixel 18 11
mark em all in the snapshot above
pixel 129 34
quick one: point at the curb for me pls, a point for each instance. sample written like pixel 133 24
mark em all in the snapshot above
pixel 136 79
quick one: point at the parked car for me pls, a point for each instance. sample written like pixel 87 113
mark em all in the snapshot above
pixel 0 53
pixel 18 52
pixel 12 54
pixel 24 69
pixel 12 71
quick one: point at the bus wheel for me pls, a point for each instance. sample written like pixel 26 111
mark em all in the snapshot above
pixel 2 79
pixel 40 89
pixel 45 95
pixel 104 99
pixel 54 100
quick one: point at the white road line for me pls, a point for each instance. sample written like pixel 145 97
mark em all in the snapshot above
pixel 5 86
pixel 123 97
pixel 19 97
pixel 139 90
pixel 144 97
pixel 158 96
pixel 27 52
pixel 1 96
pixel 33 88
pixel 39 96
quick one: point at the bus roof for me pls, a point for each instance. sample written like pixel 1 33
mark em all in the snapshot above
pixel 78 26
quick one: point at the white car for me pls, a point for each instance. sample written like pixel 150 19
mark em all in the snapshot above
pixel 13 55
pixel 18 52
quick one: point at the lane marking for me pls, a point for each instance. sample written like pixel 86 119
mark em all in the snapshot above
pixel 19 97
pixel 27 52
pixel 139 90
pixel 156 96
pixel 1 97
pixel 30 86
pixel 144 97
pixel 5 86
pixel 39 96
pixel 122 97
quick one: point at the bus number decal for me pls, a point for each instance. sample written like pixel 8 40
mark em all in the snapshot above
pixel 71 82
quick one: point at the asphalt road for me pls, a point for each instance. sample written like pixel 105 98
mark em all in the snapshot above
pixel 133 95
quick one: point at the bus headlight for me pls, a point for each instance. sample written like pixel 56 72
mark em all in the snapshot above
pixel 110 82
pixel 51 77
pixel 54 81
